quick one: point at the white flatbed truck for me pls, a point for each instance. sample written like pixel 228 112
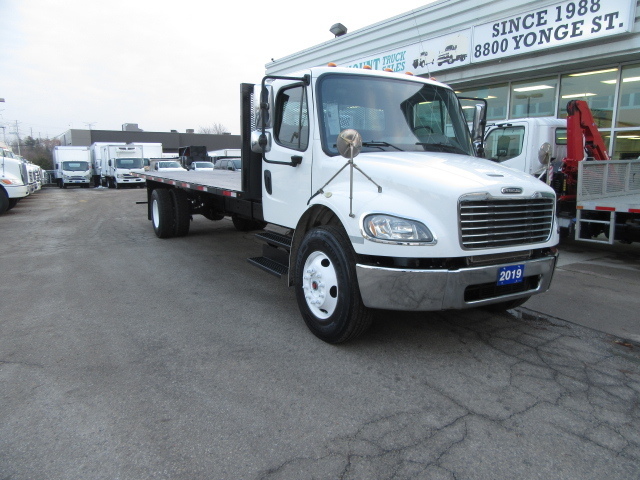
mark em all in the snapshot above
pixel 417 224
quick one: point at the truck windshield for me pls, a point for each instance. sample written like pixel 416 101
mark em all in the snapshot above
pixel 75 166
pixel 391 115
pixel 129 163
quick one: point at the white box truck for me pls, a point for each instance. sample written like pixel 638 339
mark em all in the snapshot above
pixel 72 166
pixel 119 163
pixel 150 150
pixel 418 223
pixel 96 160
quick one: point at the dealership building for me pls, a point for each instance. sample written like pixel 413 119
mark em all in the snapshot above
pixel 526 58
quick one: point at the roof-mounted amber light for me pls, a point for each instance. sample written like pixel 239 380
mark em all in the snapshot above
pixel 331 64
pixel 408 73
pixel 367 67
pixel 388 70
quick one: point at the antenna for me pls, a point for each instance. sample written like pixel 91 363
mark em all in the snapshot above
pixel 89 124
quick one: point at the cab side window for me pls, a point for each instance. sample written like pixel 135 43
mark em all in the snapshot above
pixel 291 128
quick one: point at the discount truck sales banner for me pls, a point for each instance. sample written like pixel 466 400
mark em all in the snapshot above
pixel 551 26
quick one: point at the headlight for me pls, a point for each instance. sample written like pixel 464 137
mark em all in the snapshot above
pixel 120 175
pixel 390 229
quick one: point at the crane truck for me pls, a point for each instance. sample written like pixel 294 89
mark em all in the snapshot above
pixel 418 223
pixel 598 198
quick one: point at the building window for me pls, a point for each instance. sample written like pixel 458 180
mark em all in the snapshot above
pixel 629 105
pixel 496 97
pixel 535 98
pixel 627 145
pixel 597 88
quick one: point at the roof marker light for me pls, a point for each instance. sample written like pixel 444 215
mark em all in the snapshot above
pixel 331 64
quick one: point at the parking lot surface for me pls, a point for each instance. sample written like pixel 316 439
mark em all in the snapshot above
pixel 123 356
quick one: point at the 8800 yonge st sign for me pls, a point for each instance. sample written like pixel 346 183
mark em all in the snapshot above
pixel 552 26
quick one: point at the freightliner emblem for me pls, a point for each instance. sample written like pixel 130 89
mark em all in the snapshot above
pixel 511 190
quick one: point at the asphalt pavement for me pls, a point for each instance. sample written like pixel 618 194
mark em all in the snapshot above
pixel 124 356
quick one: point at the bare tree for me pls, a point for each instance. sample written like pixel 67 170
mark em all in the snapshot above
pixel 214 129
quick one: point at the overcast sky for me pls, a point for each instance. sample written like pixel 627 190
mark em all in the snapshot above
pixel 163 65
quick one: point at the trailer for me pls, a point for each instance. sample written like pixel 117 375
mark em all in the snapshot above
pixel 418 223
pixel 608 201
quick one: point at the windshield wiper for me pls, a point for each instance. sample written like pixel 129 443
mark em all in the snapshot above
pixel 443 147
pixel 379 145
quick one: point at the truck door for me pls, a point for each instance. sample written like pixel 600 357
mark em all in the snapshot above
pixel 506 145
pixel 286 168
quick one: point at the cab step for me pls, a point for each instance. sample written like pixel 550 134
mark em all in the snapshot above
pixel 275 253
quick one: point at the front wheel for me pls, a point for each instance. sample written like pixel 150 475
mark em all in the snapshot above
pixel 327 288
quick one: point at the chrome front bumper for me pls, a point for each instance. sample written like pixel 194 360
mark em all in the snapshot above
pixel 430 290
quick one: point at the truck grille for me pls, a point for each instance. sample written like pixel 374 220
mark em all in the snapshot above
pixel 495 223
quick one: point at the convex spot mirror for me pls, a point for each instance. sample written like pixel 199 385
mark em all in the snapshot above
pixel 349 143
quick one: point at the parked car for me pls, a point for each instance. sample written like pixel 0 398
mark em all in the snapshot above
pixel 166 166
pixel 232 164
pixel 201 166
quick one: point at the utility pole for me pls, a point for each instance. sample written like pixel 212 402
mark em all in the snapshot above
pixel 17 134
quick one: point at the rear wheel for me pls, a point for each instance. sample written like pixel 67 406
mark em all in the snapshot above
pixel 162 214
pixel 327 288
pixel 181 212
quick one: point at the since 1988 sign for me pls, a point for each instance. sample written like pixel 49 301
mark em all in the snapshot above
pixel 551 26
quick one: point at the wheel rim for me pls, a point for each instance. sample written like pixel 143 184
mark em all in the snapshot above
pixel 155 213
pixel 320 285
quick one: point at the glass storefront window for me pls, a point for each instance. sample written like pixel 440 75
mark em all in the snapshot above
pixel 629 103
pixel 534 98
pixel 627 145
pixel 596 87
pixel 496 97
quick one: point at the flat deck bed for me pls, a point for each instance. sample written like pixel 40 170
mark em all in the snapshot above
pixel 222 182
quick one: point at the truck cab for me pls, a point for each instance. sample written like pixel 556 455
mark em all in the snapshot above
pixel 119 163
pixel 14 183
pixel 530 145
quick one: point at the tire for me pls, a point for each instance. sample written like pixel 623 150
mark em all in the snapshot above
pixel 246 225
pixel 116 185
pixel 327 287
pixel 4 201
pixel 12 203
pixel 162 214
pixel 508 305
pixel 181 212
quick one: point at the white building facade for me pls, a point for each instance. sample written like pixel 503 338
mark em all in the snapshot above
pixel 527 58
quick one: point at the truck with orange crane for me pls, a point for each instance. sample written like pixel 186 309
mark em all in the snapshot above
pixel 598 198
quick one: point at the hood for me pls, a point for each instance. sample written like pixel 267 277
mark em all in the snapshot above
pixel 434 171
